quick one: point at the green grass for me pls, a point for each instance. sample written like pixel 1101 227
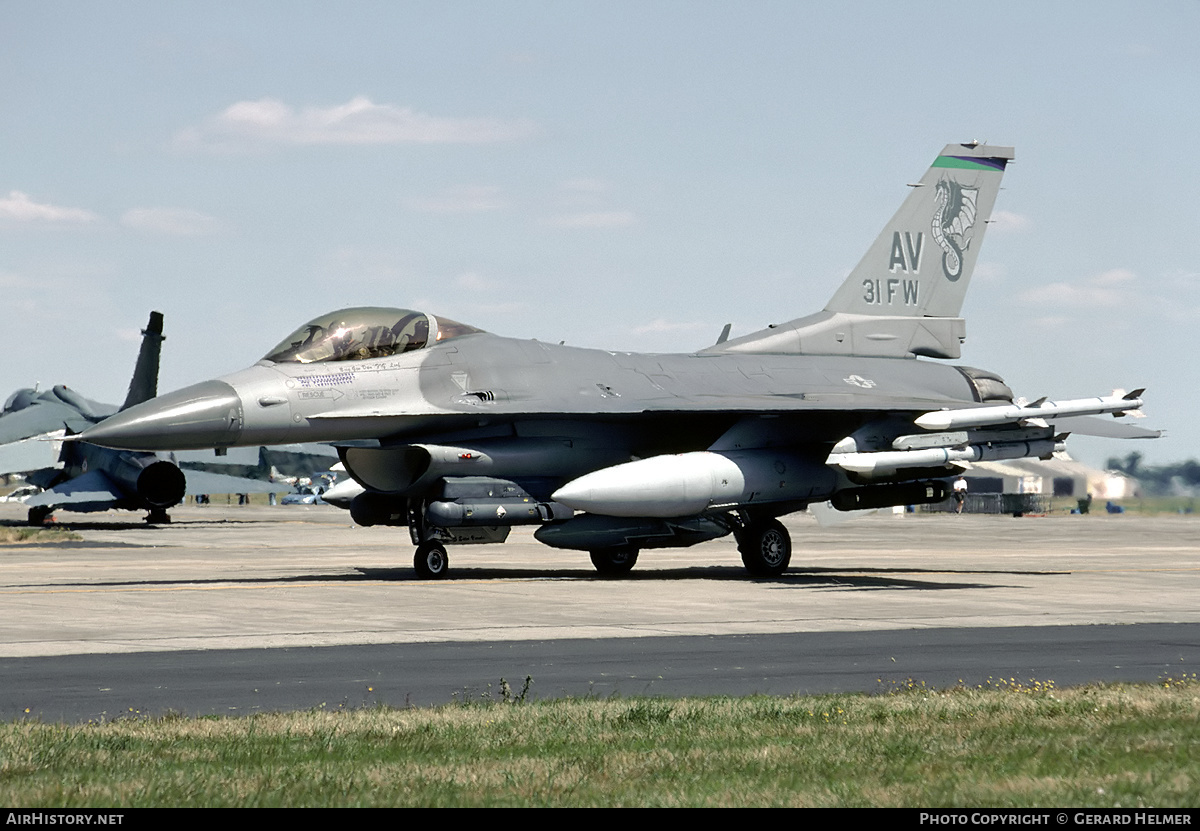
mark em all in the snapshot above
pixel 1009 745
pixel 14 535
pixel 1145 506
pixel 1153 505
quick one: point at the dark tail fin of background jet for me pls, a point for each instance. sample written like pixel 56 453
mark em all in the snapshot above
pixel 144 385
pixel 905 296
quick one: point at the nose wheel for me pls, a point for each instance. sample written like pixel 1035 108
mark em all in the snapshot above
pixel 431 560
pixel 766 548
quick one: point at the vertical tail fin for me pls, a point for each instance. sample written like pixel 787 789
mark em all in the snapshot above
pixel 904 297
pixel 922 262
pixel 144 384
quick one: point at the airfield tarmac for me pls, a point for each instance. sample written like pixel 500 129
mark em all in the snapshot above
pixel 285 587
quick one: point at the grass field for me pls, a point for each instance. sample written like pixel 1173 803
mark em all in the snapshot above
pixel 1008 745
pixel 19 534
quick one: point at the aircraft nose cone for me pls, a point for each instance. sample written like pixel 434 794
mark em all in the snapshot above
pixel 208 414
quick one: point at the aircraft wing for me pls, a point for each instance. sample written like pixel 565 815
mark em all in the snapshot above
pixel 232 456
pixel 701 403
pixel 200 481
pixel 28 454
pixel 305 449
pixel 249 455
pixel 801 402
pixel 38 420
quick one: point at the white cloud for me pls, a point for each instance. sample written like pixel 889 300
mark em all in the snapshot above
pixel 475 282
pixel 357 122
pixel 1051 323
pixel 462 200
pixel 1114 277
pixel 990 272
pixel 171 221
pixel 19 207
pixel 11 280
pixel 594 219
pixel 661 325
pixel 1072 295
pixel 1107 289
pixel 585 185
pixel 582 195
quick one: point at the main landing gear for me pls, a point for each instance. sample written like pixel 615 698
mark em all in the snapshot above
pixel 614 561
pixel 158 516
pixel 431 560
pixel 765 546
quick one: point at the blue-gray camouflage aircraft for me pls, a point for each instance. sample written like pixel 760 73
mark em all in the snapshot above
pixel 83 477
pixel 460 434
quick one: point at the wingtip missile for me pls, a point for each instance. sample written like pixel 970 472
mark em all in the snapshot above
pixel 1117 405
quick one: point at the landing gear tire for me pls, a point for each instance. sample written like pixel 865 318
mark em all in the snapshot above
pixel 766 548
pixel 614 561
pixel 431 560
pixel 39 515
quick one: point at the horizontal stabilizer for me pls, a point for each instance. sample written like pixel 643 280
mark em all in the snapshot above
pixel 1105 428
pixel 91 489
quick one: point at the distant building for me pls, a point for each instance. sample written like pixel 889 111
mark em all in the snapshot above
pixel 994 486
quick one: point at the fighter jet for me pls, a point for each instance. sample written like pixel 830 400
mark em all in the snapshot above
pixel 460 434
pixel 81 477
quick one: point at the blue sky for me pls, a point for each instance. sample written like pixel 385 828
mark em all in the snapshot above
pixel 627 175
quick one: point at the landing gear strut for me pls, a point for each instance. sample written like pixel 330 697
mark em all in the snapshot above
pixel 431 560
pixel 614 561
pixel 766 548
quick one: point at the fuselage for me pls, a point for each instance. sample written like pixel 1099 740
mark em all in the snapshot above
pixel 483 383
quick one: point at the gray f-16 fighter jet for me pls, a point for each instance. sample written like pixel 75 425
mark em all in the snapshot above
pixel 460 434
pixel 82 477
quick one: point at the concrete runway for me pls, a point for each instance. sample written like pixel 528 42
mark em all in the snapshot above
pixel 227 587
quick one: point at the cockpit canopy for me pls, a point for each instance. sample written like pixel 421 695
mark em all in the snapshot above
pixel 20 399
pixel 362 333
pixel 57 395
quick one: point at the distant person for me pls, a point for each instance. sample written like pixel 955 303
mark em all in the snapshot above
pixel 960 493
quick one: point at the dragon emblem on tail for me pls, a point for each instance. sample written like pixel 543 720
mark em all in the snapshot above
pixel 954 217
